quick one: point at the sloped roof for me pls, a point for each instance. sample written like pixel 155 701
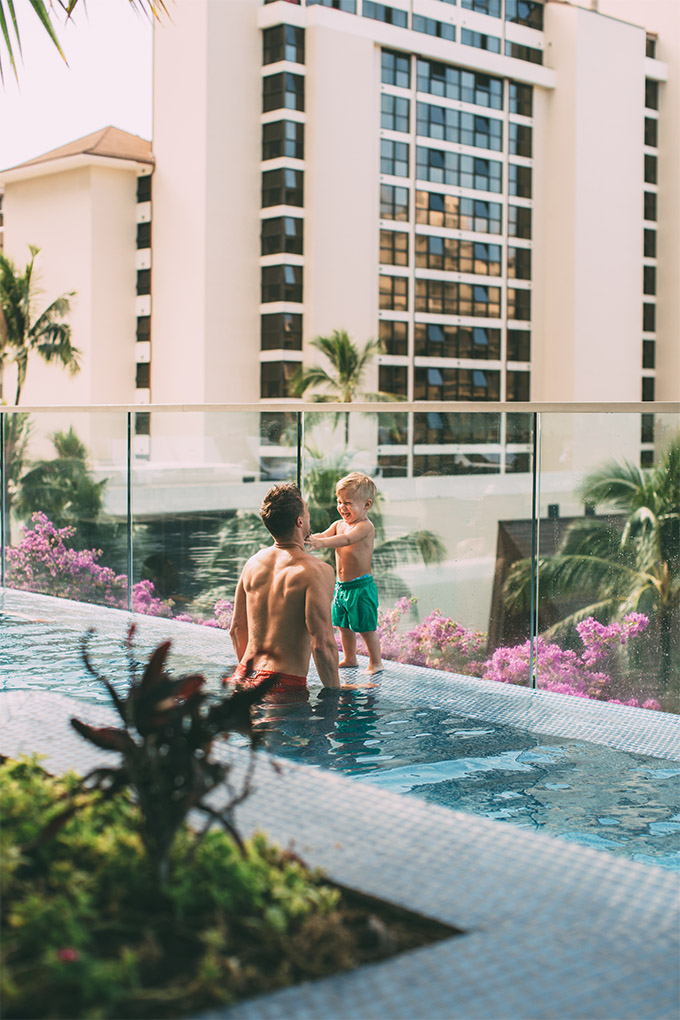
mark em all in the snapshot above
pixel 109 142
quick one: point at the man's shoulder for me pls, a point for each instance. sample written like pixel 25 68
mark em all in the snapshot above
pixel 316 568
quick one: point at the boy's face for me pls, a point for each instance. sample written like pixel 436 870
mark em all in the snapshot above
pixel 352 507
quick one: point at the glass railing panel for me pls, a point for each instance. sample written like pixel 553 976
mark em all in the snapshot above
pixel 609 540
pixel 197 482
pixel 64 498
pixel 454 503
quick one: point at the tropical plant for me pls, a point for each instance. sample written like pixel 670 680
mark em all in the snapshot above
pixel 618 570
pixel 342 383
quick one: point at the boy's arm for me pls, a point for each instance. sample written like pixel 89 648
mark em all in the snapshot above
pixel 238 631
pixel 317 540
pixel 354 534
pixel 318 622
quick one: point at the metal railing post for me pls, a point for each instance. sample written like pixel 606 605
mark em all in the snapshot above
pixel 129 511
pixel 3 498
pixel 300 446
pixel 535 527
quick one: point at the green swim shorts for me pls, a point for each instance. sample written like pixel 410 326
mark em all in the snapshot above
pixel 355 604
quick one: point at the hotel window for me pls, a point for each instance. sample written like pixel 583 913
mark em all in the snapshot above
pixel 394 113
pixel 393 428
pixel 651 94
pixel 282 187
pixel 480 41
pixel 283 42
pixel 648 388
pixel 519 345
pixel 648 318
pixel 648 354
pixel 490 7
pixel 646 428
pixel 394 337
pixel 519 52
pixel 520 140
pixel 283 138
pixel 444 167
pixel 143 281
pixel 519 304
pixel 393 293
pixel 143 376
pixel 281 283
pixel 525 12
pixel 282 234
pixel 142 423
pixel 519 221
pixel 393 248
pixel 143 327
pixel 276 377
pixel 393 379
pixel 456 428
pixel 651 132
pixel 454 255
pixel 394 158
pixel 454 126
pixel 281 331
pixel 517 385
pixel 521 99
pixel 649 280
pixel 650 205
pixel 393 202
pixel 650 46
pixel 650 244
pixel 379 12
pixel 439 210
pixel 349 6
pixel 519 263
pixel 143 235
pixel 437 464
pixel 429 26
pixel 441 341
pixel 144 188
pixel 395 69
pixel 283 91
pixel 456 384
pixel 453 83
pixel 519 180
pixel 393 467
pixel 441 297
pixel 651 169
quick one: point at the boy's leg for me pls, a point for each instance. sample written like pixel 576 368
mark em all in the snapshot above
pixel 348 640
pixel 375 663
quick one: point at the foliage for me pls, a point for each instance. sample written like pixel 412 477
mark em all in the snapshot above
pixel 437 642
pixel 619 571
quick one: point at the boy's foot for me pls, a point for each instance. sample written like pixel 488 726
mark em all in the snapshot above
pixel 374 670
pixel 347 665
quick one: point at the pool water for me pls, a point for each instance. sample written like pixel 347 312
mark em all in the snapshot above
pixel 624 802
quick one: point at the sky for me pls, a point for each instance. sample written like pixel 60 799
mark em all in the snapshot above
pixel 107 80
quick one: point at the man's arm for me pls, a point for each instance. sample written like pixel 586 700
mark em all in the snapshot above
pixel 238 631
pixel 355 533
pixel 318 599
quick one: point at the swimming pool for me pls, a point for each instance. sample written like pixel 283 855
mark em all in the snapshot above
pixel 478 747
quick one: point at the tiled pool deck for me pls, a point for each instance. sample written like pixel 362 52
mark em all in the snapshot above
pixel 554 930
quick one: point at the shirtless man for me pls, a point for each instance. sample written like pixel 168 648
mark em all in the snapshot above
pixel 282 609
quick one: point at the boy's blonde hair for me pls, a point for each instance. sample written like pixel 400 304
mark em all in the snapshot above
pixel 357 484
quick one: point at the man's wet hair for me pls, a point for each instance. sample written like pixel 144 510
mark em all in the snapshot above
pixel 280 509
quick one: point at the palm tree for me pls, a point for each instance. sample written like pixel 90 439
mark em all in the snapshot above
pixel 342 382
pixel 618 571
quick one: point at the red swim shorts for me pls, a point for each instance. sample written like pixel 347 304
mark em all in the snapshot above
pixel 285 684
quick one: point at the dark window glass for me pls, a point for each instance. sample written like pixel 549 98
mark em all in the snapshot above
pixel 394 337
pixel 519 221
pixel 646 428
pixel 142 423
pixel 448 298
pixel 275 378
pixel 438 464
pixel 454 83
pixel 281 283
pixel 283 91
pixel 648 354
pixel 143 327
pixel 525 12
pixel 519 180
pixel 281 233
pixel 648 318
pixel 143 235
pixel 519 345
pixel 281 331
pixel 379 12
pixel 455 126
pixel 278 428
pixel 519 263
pixel 456 384
pixel 517 385
pixel 520 140
pixel 433 427
pixel 395 69
pixel 393 202
pixel 651 169
pixel 283 138
pixel 649 280
pixel 350 6
pixel 651 131
pixel 143 281
pixel 490 7
pixel 521 99
pixel 650 205
pixel 393 430
pixel 394 113
pixel 650 46
pixel 458 213
pixel 393 379
pixel 646 458
pixel 519 304
pixel 651 94
pixel 393 293
pixel 394 158
pixel 431 27
pixel 517 463
pixel 480 41
pixel 393 467
pixel 144 188
pixel 282 187
pixel 456 255
pixel 283 42
pixel 443 341
pixel 393 248
pixel 648 388
pixel 453 168
pixel 650 243
pixel 143 375
pixel 528 53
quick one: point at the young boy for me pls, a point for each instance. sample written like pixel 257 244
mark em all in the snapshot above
pixel 355 600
